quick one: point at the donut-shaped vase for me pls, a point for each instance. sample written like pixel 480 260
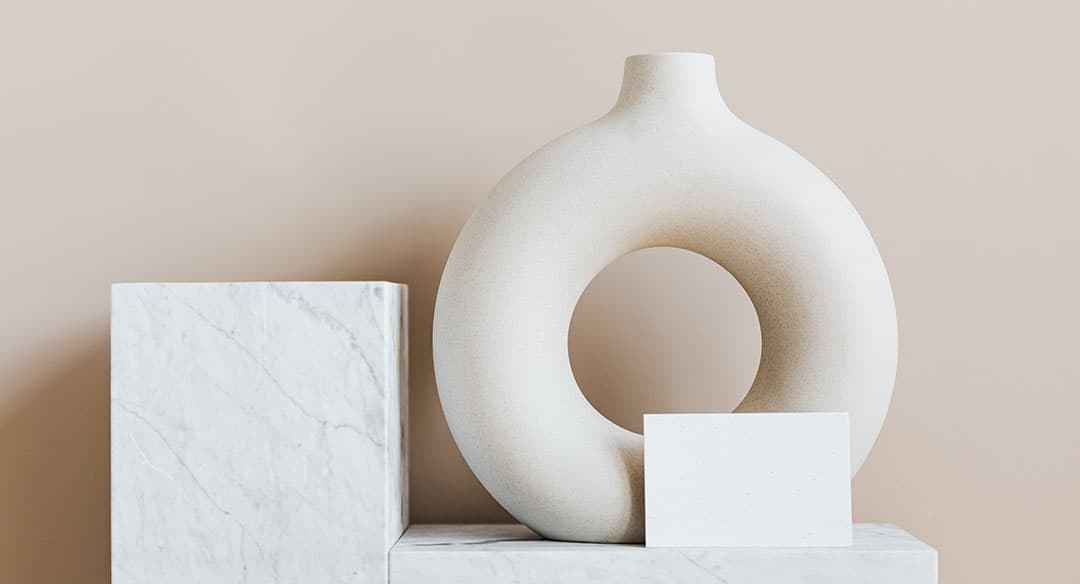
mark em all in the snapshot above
pixel 669 165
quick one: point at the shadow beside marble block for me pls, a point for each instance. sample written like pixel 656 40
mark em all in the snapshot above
pixel 258 431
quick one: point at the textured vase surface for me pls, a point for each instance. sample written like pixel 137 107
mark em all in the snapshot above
pixel 669 165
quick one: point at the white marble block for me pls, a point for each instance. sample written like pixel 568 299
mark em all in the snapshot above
pixel 511 554
pixel 258 432
pixel 747 480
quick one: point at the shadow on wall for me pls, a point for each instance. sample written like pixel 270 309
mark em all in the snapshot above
pixel 54 472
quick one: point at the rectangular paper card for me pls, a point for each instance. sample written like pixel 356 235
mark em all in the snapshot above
pixel 747 480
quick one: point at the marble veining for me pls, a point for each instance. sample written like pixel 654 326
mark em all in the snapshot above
pixel 511 554
pixel 258 431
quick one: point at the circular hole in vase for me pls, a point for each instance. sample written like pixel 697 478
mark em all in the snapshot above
pixel 664 330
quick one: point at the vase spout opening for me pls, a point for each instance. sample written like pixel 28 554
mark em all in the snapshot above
pixel 681 80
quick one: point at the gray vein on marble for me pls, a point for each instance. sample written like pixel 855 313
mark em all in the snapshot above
pixel 258 431
pixel 510 553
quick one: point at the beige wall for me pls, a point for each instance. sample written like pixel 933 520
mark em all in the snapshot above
pixel 245 140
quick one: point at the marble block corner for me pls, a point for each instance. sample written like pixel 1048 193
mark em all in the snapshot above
pixel 258 431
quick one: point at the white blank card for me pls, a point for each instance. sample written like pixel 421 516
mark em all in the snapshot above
pixel 747 480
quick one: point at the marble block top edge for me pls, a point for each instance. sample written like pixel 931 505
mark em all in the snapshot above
pixel 491 537
pixel 116 285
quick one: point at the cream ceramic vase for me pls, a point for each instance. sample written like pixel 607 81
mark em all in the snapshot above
pixel 669 165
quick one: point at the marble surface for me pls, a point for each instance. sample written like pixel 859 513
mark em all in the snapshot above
pixel 747 480
pixel 512 554
pixel 257 431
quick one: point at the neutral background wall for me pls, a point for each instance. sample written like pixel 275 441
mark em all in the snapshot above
pixel 333 139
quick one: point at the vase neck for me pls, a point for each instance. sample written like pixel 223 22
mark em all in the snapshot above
pixel 670 81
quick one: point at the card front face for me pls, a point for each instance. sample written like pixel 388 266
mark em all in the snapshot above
pixel 747 480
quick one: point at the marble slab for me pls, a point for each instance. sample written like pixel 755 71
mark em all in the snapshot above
pixel 512 554
pixel 257 432
pixel 747 480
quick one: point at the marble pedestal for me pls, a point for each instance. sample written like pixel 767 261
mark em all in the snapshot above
pixel 258 432
pixel 511 554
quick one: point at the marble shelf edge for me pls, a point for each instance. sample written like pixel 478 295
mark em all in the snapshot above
pixel 511 553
